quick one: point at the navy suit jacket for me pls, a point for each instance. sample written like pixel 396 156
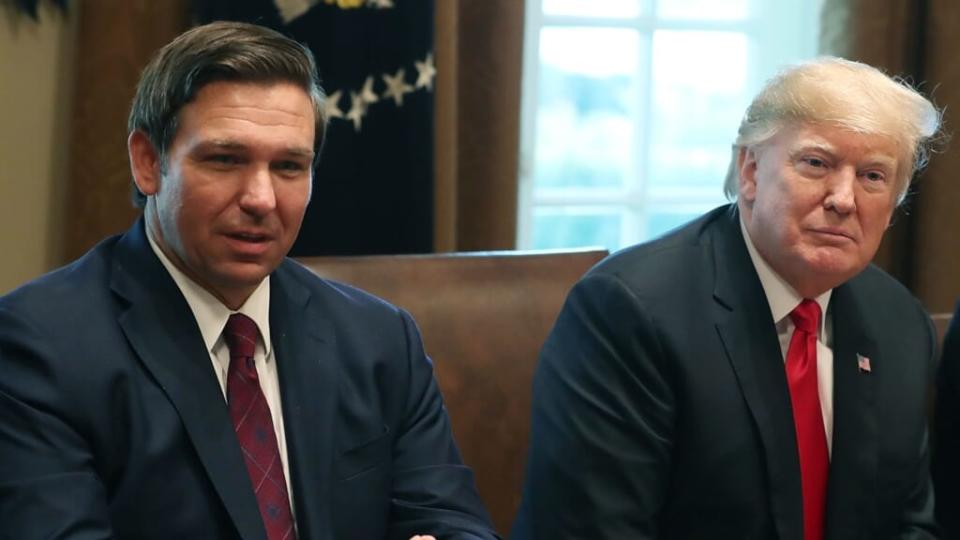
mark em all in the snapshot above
pixel 113 424
pixel 661 407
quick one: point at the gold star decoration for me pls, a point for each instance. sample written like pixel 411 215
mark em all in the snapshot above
pixel 425 72
pixel 367 93
pixel 358 108
pixel 346 4
pixel 330 106
pixel 396 87
pixel 292 9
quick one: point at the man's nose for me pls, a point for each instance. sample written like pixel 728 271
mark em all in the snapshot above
pixel 841 191
pixel 257 196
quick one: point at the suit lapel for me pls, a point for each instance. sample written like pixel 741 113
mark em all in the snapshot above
pixel 853 464
pixel 749 337
pixel 159 327
pixel 305 352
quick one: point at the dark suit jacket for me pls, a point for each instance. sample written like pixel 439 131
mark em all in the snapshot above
pixel 112 422
pixel 946 454
pixel 661 406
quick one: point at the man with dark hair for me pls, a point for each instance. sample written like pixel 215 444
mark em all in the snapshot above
pixel 186 379
pixel 751 375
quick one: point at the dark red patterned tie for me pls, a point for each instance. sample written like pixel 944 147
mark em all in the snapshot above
pixel 254 427
pixel 807 417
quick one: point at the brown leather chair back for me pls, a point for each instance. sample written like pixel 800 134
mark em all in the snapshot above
pixel 483 317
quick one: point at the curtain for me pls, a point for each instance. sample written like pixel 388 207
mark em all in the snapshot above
pixel 917 40
pixel 479 47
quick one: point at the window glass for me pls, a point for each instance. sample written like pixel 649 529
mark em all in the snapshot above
pixel 662 222
pixel 592 8
pixel 630 109
pixel 699 94
pixel 585 107
pixel 703 9
pixel 575 226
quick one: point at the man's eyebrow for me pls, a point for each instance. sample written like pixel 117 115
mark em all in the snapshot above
pixel 220 144
pixel 881 159
pixel 228 144
pixel 822 146
pixel 301 152
pixel 871 159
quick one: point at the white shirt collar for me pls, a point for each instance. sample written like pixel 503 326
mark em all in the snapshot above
pixel 782 297
pixel 211 314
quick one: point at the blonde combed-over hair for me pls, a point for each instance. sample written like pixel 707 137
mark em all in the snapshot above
pixel 846 94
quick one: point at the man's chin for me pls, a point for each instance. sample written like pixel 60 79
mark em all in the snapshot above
pixel 833 270
pixel 244 274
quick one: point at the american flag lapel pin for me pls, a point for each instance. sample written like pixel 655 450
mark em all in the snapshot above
pixel 863 363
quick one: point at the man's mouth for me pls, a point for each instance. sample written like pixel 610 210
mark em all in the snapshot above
pixel 253 237
pixel 834 232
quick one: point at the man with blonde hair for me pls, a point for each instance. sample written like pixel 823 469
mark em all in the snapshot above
pixel 751 375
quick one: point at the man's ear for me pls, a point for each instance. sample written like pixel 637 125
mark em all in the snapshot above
pixel 144 162
pixel 747 165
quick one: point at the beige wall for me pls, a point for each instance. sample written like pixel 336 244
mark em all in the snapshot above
pixel 35 90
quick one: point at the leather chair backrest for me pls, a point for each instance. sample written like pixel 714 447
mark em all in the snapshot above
pixel 483 317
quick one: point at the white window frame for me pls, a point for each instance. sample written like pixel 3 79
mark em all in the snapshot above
pixel 798 22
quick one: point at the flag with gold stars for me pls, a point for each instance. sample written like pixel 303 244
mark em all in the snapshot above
pixel 373 188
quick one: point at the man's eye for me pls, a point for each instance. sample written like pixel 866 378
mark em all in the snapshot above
pixel 875 176
pixel 224 159
pixel 815 162
pixel 290 166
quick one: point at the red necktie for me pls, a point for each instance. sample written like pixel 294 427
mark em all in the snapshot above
pixel 254 426
pixel 801 368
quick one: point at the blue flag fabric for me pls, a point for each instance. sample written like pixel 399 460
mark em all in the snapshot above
pixel 373 188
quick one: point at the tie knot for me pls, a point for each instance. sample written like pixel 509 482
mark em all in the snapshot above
pixel 806 316
pixel 241 335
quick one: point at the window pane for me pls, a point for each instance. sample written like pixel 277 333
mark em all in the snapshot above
pixel 703 9
pixel 699 94
pixel 661 222
pixel 575 227
pixel 631 107
pixel 585 112
pixel 592 8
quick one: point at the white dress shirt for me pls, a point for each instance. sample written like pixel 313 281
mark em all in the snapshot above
pixel 211 316
pixel 783 299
